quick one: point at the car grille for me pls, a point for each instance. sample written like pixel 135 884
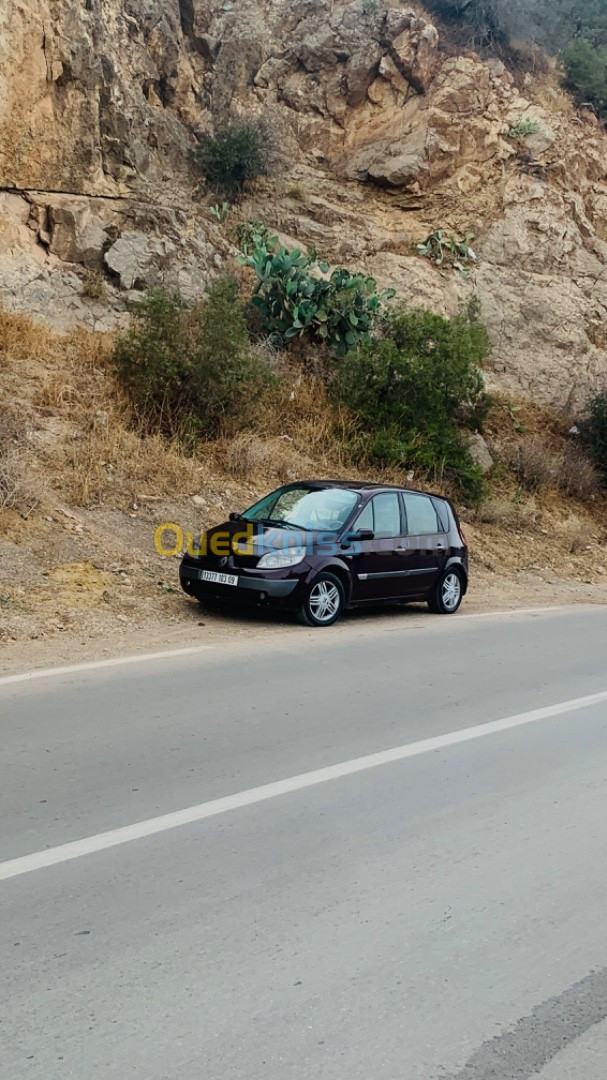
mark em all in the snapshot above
pixel 247 562
pixel 217 563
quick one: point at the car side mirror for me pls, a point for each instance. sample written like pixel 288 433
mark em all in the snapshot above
pixel 235 517
pixel 357 537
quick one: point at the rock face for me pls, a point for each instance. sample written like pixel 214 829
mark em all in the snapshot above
pixel 386 137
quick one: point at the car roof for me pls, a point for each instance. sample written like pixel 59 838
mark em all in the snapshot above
pixel 363 488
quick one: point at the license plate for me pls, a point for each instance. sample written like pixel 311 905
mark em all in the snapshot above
pixel 218 579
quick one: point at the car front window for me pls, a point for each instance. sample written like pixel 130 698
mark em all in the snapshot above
pixel 301 507
pixel 382 516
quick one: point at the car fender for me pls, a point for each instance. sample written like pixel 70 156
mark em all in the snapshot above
pixel 455 561
pixel 333 565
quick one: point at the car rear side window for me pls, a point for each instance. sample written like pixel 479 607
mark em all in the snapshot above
pixel 422 518
pixel 382 516
pixel 443 513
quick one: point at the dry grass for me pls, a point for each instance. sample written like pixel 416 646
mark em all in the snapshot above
pixel 301 410
pixel 548 92
pixel 55 391
pixel 24 341
pixel 106 462
pixel 577 476
pixel 535 466
pixel 249 456
pixel 509 513
pixel 575 534
pixel 297 193
pixel 245 455
pixel 18 490
pixel 14 494
pixel 85 448
pixel 538 467
pixel 298 431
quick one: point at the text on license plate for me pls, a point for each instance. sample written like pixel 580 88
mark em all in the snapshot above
pixel 218 579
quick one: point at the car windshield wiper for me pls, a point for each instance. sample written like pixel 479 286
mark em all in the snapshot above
pixel 284 524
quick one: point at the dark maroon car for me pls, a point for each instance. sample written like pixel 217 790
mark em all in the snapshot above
pixel 320 547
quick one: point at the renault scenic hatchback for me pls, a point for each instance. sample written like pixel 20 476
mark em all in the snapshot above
pixel 317 548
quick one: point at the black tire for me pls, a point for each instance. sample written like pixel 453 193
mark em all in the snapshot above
pixel 324 602
pixel 447 597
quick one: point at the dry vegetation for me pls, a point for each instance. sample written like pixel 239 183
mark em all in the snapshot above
pixel 82 491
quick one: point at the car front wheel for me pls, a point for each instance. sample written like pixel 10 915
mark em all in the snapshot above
pixel 324 602
pixel 448 594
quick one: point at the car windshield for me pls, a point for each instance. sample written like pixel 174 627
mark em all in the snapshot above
pixel 307 508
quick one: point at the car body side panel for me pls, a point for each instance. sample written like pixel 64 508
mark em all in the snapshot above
pixel 427 558
pixel 382 570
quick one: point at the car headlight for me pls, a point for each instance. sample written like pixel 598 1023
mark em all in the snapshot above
pixel 279 561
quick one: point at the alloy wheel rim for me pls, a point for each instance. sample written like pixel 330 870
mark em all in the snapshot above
pixel 324 601
pixel 452 590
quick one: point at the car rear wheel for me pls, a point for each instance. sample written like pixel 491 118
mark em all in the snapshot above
pixel 324 602
pixel 448 594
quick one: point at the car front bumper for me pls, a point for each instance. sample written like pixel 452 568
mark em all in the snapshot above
pixel 249 590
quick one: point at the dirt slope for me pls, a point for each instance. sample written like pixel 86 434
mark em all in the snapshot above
pixel 82 495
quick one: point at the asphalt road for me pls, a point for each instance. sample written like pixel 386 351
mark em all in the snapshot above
pixel 437 913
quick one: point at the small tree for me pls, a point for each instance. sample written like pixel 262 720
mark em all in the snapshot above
pixel 235 154
pixel 151 363
pixel 416 390
pixel 586 74
pixel 188 371
pixel 227 377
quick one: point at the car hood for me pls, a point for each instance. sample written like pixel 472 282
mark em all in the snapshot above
pixel 260 538
pixel 253 540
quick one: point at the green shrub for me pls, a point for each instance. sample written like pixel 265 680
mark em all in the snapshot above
pixel 294 301
pixel 250 235
pixel 525 126
pixel 586 74
pixel 93 286
pixel 565 21
pixel 416 391
pixel 453 251
pixel 191 371
pixel 235 154
pixel 220 213
pixel 149 359
pixel 594 433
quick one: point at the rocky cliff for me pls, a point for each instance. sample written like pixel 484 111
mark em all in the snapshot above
pixel 387 134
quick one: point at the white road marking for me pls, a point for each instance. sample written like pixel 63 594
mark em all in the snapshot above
pixel 93 665
pixel 139 658
pixel 102 841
